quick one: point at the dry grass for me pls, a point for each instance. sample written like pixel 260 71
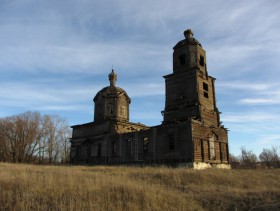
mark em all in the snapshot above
pixel 28 187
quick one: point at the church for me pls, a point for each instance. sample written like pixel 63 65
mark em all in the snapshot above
pixel 190 135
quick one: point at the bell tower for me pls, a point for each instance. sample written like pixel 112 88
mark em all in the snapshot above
pixel 190 92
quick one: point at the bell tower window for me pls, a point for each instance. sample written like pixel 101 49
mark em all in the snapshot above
pixel 201 61
pixel 205 87
pixel 205 94
pixel 110 108
pixel 122 111
pixel 205 90
pixel 182 59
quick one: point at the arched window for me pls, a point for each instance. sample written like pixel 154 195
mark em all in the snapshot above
pixel 110 108
pixel 212 150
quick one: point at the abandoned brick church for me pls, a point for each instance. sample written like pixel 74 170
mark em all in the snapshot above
pixel 191 133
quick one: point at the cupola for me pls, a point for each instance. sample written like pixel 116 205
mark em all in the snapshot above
pixel 189 55
pixel 111 102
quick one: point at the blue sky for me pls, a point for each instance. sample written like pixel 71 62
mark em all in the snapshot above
pixel 56 54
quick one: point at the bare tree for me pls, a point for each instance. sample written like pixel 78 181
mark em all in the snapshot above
pixel 21 135
pixel 275 156
pixel 64 136
pixel 56 134
pixel 234 161
pixel 247 158
pixel 4 148
pixel 270 157
pixel 29 137
pixel 266 157
pixel 233 158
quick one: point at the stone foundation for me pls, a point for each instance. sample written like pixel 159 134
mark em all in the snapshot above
pixel 201 165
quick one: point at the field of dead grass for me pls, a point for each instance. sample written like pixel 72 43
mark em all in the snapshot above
pixel 30 187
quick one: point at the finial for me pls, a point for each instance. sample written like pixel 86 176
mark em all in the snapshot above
pixel 112 78
pixel 188 34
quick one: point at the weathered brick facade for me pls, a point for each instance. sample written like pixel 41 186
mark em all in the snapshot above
pixel 191 133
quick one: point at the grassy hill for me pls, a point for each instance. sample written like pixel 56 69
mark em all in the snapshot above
pixel 29 187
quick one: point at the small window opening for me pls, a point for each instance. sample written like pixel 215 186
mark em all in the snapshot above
pixel 99 150
pixel 205 86
pixel 206 94
pixel 78 150
pixel 129 150
pixel 201 61
pixel 146 145
pixel 114 148
pixel 110 108
pixel 171 142
pixel 182 59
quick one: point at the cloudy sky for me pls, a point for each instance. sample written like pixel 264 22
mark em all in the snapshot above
pixel 56 54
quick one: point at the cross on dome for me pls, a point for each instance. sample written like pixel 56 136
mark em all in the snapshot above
pixel 188 34
pixel 112 78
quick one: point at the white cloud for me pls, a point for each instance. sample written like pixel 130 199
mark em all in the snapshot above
pixel 41 96
pixel 53 96
pixel 243 85
pixel 61 108
pixel 244 118
pixel 82 59
pixel 252 122
pixel 267 97
pixel 252 93
pixel 260 101
pixel 269 140
pixel 142 89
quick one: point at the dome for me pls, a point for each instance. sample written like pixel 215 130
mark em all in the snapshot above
pixel 111 91
pixel 111 102
pixel 189 40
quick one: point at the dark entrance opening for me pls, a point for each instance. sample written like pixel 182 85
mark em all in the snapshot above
pixel 99 150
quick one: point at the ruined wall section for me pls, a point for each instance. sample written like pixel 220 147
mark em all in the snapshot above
pixel 181 96
pixel 209 144
pixel 90 129
pixel 174 142
pixel 159 144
